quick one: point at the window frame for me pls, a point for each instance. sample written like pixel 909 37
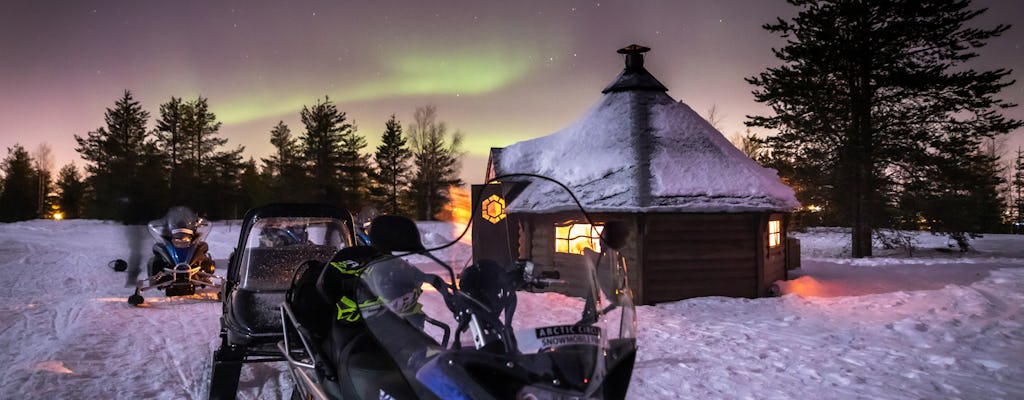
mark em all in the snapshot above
pixel 570 239
pixel 774 237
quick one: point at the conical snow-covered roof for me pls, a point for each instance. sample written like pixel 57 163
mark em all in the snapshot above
pixel 639 150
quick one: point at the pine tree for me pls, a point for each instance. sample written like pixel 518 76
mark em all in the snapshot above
pixel 71 190
pixel 321 145
pixel 115 156
pixel 874 99
pixel 200 127
pixel 19 199
pixel 437 163
pixel 391 177
pixel 201 175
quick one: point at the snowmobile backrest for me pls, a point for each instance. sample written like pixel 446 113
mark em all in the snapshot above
pixel 341 274
pixel 390 233
pixel 305 301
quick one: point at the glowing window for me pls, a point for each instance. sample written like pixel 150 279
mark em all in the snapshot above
pixel 774 233
pixel 573 238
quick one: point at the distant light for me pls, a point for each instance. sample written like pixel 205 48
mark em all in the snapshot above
pixel 813 208
pixel 58 216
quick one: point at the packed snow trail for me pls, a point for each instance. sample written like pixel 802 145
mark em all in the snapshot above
pixel 68 331
pixel 937 325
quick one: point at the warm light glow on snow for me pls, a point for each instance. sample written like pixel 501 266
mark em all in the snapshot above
pixel 58 216
pixel 54 366
pixel 804 286
pixel 459 208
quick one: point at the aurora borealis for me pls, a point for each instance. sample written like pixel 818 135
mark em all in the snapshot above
pixel 499 72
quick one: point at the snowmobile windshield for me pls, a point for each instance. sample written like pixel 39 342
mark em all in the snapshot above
pixel 276 246
pixel 538 307
pixel 180 227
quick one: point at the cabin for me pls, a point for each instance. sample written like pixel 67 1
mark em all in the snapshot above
pixel 704 219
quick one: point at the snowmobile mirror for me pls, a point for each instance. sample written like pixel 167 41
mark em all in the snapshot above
pixel 615 234
pixel 390 233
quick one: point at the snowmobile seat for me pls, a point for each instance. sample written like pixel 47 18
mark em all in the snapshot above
pixel 366 370
pixel 254 304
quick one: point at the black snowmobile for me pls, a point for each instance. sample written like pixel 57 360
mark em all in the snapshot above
pixel 181 260
pixel 274 241
pixel 393 321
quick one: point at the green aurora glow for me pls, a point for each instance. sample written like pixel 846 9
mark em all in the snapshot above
pixel 464 71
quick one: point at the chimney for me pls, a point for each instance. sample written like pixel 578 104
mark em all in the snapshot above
pixel 634 57
pixel 634 76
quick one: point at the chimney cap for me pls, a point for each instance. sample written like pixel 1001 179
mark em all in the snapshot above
pixel 634 49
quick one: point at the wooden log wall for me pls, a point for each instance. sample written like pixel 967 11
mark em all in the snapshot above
pixel 692 255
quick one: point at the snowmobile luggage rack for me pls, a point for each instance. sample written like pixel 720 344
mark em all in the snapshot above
pixel 273 242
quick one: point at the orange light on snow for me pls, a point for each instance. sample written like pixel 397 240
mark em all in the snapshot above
pixel 58 216
pixel 804 286
pixel 458 209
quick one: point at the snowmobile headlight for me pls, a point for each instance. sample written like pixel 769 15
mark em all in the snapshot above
pixel 181 241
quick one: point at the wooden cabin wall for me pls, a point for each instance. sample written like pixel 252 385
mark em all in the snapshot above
pixel 538 243
pixel 693 255
pixel 671 257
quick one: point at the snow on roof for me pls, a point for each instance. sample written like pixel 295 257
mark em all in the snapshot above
pixel 639 150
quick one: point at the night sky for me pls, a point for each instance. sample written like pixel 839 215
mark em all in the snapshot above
pixel 498 71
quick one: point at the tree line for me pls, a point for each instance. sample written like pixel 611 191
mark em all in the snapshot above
pixel 878 121
pixel 133 174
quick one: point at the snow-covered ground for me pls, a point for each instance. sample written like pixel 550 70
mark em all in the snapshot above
pixel 936 325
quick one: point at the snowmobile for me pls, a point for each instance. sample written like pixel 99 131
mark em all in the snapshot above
pixel 274 241
pixel 395 321
pixel 181 260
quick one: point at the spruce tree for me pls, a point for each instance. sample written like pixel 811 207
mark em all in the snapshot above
pixel 223 183
pixel 255 188
pixel 71 190
pixel 321 146
pixel 115 155
pixel 437 163
pixel 287 177
pixel 354 170
pixel 391 176
pixel 170 138
pixel 19 199
pixel 874 100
